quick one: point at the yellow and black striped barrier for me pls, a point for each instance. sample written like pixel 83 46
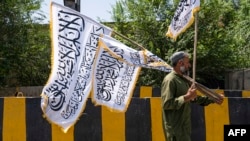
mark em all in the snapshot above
pixel 22 120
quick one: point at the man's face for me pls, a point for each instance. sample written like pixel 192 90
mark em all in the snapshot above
pixel 185 65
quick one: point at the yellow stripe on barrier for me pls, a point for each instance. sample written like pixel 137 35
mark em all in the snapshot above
pixel 245 93
pixel 145 91
pixel 113 125
pixel 59 135
pixel 156 120
pixel 14 119
pixel 216 116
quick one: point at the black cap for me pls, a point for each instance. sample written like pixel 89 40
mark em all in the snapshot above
pixel 177 56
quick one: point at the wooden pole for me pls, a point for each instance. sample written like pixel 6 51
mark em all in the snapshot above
pixel 195 46
pixel 73 4
pixel 131 41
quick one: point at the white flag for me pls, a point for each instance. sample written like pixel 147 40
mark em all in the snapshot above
pixel 115 74
pixel 116 71
pixel 183 17
pixel 74 42
pixel 152 61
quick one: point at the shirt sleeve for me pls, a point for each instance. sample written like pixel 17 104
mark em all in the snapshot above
pixel 169 101
pixel 202 100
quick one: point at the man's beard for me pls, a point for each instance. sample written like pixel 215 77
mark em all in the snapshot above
pixel 184 71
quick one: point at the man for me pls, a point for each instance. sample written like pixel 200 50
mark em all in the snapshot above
pixel 177 94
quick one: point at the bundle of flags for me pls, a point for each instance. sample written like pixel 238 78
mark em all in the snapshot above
pixel 85 60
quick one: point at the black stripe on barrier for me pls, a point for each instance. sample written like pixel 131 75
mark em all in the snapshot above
pixel 138 120
pixel 37 127
pixel 89 126
pixel 156 92
pixel 136 92
pixel 198 123
pixel 1 117
pixel 233 93
pixel 239 110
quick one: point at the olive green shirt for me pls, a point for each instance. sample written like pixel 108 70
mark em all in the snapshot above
pixel 176 112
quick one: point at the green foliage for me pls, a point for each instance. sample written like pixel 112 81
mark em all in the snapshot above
pixel 223 37
pixel 240 34
pixel 24 54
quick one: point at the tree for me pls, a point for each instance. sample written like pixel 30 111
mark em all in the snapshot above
pixel 220 49
pixel 147 21
pixel 23 50
pixel 240 35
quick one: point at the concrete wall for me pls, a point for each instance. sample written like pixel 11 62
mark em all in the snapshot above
pixel 31 91
pixel 238 80
pixel 21 119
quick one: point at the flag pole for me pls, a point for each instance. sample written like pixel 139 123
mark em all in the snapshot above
pixel 73 4
pixel 131 41
pixel 195 46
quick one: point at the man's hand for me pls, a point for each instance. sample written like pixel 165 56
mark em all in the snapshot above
pixel 220 100
pixel 191 94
